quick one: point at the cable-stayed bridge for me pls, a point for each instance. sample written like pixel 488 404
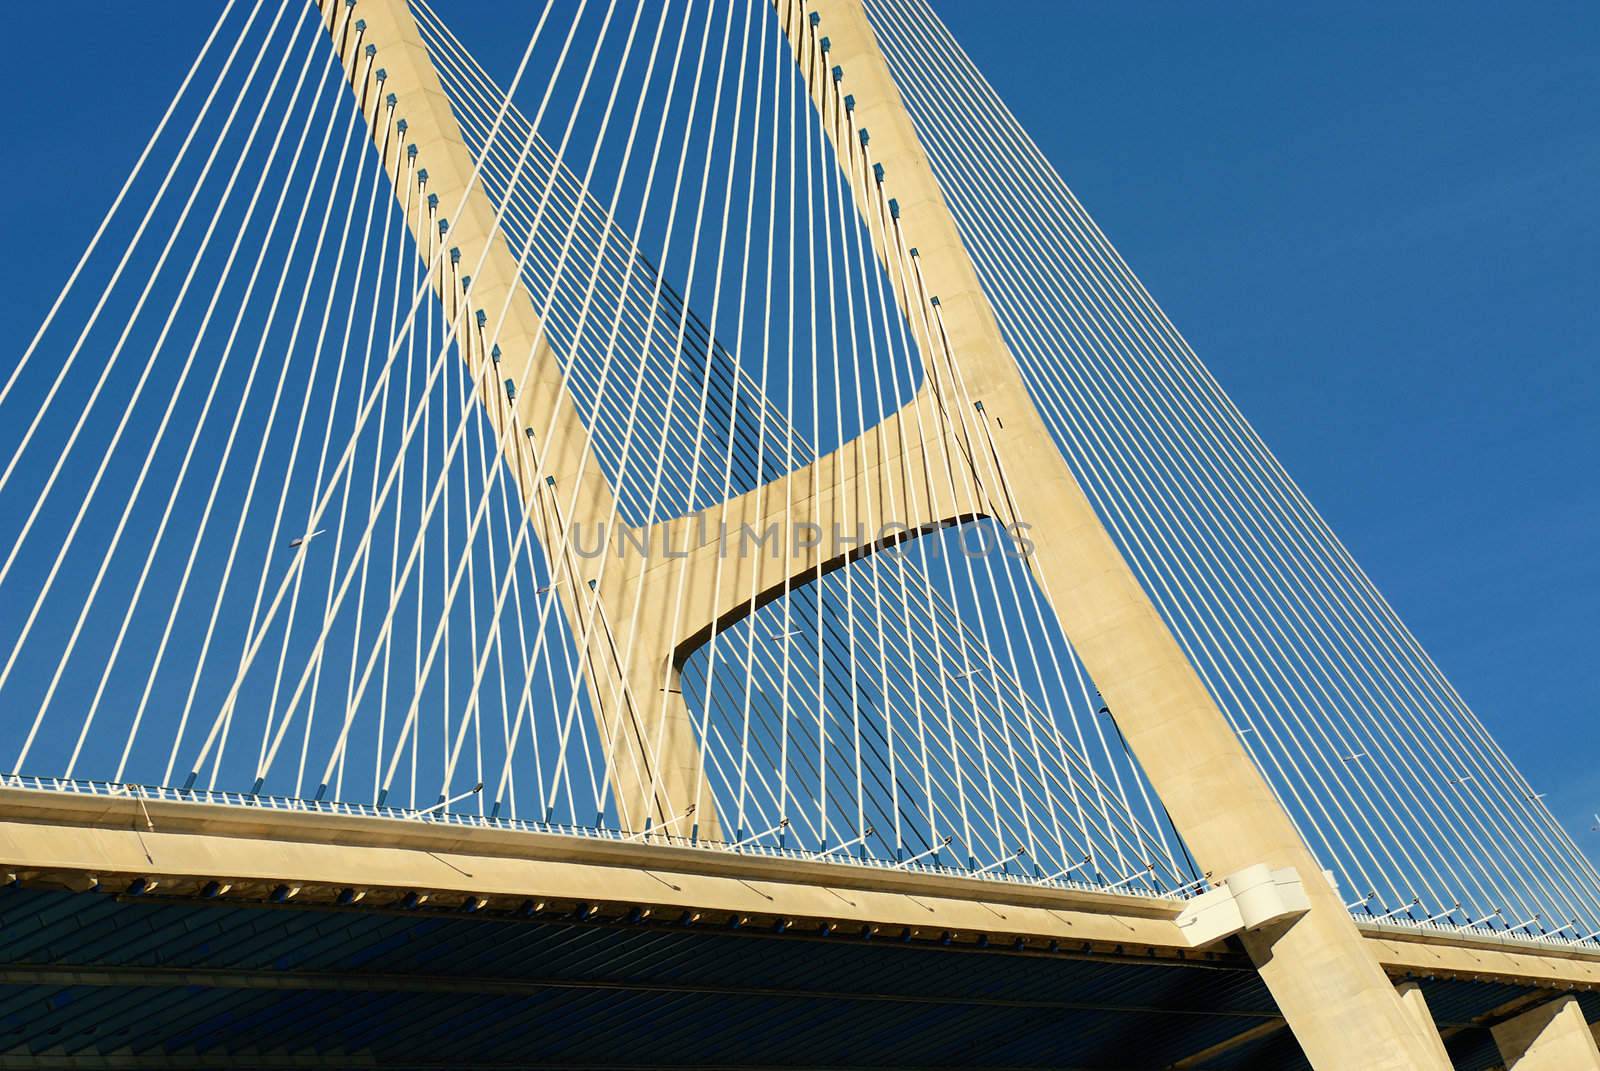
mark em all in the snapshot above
pixel 694 550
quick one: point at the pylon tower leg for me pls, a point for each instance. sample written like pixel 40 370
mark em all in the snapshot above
pixel 1339 1002
pixel 653 762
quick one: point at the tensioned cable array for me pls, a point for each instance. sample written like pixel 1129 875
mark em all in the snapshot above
pixel 293 505
pixel 200 495
pixel 775 665
pixel 751 441
pixel 1390 777
pixel 287 514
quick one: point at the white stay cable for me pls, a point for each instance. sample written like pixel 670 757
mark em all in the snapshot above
pixel 264 243
pixel 254 644
pixel 89 404
pixel 1050 179
pixel 110 449
pixel 66 365
pixel 127 184
pixel 265 438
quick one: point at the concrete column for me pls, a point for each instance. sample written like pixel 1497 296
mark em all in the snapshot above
pixel 653 761
pixel 1551 1037
pixel 1336 998
pixel 1415 1003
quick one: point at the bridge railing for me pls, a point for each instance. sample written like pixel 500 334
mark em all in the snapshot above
pixel 1136 887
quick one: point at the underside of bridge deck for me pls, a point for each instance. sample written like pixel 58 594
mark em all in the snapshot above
pixel 105 980
pixel 95 979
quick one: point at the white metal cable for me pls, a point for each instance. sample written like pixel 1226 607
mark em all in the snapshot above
pixel 265 242
pixel 66 365
pixel 94 394
pixel 254 644
pixel 221 20
pixel 252 483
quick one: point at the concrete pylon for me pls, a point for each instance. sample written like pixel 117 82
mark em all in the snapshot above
pixel 637 622
pixel 1341 1006
pixel 652 760
pixel 1334 995
pixel 1551 1037
pixel 1417 1004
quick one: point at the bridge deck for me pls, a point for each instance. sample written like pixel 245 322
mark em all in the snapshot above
pixel 159 934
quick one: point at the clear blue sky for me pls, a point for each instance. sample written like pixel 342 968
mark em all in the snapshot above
pixel 1378 224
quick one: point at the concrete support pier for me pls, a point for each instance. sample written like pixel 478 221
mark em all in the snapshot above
pixel 1551 1037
